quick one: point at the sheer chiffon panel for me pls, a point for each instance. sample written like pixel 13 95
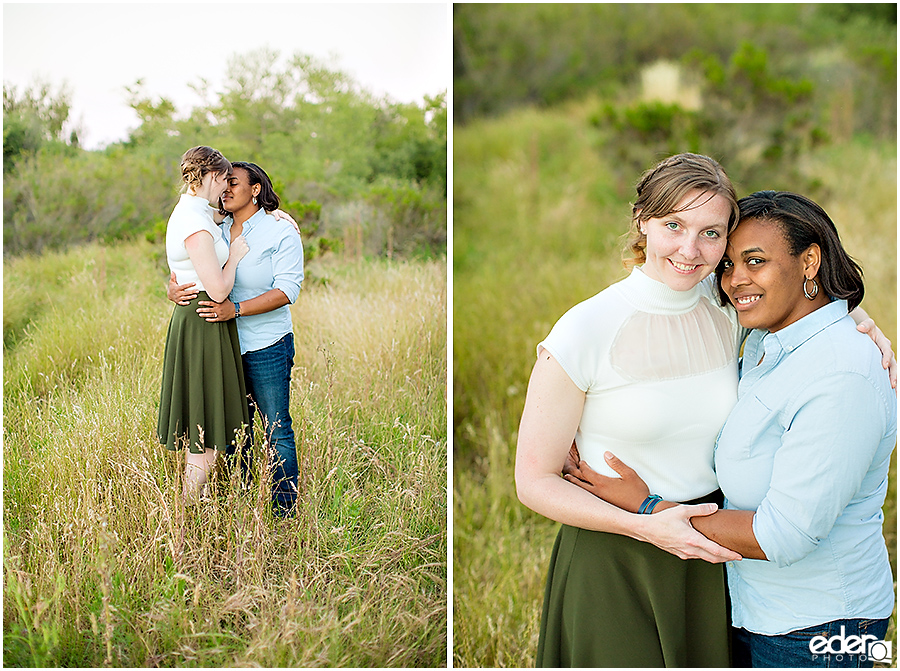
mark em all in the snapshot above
pixel 655 347
pixel 678 383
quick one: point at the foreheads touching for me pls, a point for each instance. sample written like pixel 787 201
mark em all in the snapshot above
pixel 199 161
pixel 266 197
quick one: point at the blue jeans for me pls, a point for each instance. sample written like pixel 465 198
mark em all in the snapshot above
pixel 833 645
pixel 267 373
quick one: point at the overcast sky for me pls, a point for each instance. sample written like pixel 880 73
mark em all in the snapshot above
pixel 399 50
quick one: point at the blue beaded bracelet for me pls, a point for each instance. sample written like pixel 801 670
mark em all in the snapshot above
pixel 649 504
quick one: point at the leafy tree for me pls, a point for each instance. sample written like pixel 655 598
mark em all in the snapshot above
pixel 256 100
pixel 157 117
pixel 33 118
pixel 341 158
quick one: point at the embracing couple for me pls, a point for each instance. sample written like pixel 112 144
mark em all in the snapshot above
pixel 725 410
pixel 236 266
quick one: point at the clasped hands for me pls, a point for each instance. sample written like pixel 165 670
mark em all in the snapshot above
pixel 668 528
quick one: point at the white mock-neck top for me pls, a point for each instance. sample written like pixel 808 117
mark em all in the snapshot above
pixel 191 214
pixel 659 372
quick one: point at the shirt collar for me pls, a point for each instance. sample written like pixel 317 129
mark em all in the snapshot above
pixel 794 335
pixel 250 223
pixel 255 219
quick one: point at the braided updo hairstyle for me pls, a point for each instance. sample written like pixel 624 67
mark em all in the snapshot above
pixel 662 188
pixel 197 162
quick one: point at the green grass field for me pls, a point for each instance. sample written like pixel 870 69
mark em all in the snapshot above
pixel 539 209
pixel 103 566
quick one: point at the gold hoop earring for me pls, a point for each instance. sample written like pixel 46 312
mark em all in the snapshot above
pixel 815 289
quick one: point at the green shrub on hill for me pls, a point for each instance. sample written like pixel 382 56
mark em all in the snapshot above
pixel 320 137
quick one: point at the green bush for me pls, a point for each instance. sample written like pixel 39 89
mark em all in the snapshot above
pixel 321 138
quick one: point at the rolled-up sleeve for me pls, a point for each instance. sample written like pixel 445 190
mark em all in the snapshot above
pixel 833 431
pixel 287 264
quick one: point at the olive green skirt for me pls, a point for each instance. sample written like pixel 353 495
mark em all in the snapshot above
pixel 203 402
pixel 612 601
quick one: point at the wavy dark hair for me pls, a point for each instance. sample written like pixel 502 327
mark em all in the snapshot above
pixel 804 223
pixel 267 198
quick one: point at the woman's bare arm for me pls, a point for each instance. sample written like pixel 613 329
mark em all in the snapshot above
pixel 553 408
pixel 732 529
pixel 217 281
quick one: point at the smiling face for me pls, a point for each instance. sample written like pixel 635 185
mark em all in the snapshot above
pixel 763 281
pixel 685 246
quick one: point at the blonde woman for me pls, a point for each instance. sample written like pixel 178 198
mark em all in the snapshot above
pixel 203 405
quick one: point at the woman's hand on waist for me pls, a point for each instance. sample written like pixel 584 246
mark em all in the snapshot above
pixel 216 312
pixel 668 527
pixel 182 294
pixel 627 491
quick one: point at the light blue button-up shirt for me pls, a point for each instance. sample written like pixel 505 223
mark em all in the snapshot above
pixel 275 261
pixel 808 447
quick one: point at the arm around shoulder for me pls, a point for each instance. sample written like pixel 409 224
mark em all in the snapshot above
pixel 287 264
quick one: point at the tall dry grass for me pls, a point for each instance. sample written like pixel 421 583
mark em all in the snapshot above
pixel 539 209
pixel 104 566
